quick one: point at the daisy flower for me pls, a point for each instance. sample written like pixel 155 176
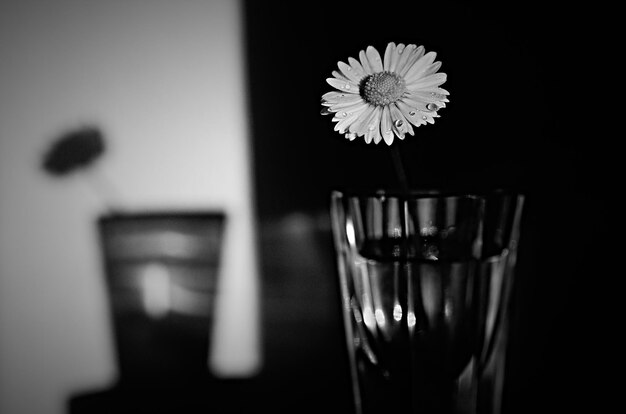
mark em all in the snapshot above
pixel 382 98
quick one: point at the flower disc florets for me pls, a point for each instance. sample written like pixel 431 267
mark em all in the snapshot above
pixel 382 88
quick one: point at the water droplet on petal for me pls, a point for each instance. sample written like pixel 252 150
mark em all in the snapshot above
pixel 432 107
pixel 371 127
pixel 424 117
pixel 344 114
pixel 347 86
pixel 412 113
pixel 398 123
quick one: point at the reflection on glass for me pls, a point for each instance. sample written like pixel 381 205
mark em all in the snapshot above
pixel 447 259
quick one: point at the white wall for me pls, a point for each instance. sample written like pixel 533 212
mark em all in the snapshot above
pixel 164 81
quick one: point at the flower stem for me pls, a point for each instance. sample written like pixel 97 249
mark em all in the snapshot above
pixel 400 170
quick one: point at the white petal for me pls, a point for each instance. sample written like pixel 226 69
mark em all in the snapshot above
pixel 386 126
pixel 429 81
pixel 411 114
pixel 349 108
pixel 360 126
pixel 348 72
pixel 428 96
pixel 415 101
pixel 347 87
pixel 376 63
pixel 339 98
pixel 340 76
pixel 433 68
pixel 346 118
pixel 330 95
pixel 373 130
pixel 365 63
pixel 333 97
pixel 389 53
pixel 357 68
pixel 395 57
pixel 422 63
pixel 398 121
pixel 422 109
pixel 325 111
pixel 376 136
pixel 345 104
pixel 410 55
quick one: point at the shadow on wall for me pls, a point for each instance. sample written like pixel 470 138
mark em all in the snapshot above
pixel 161 346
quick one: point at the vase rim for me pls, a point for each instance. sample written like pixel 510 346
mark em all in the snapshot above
pixel 425 192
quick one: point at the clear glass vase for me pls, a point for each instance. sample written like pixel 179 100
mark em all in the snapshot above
pixel 426 281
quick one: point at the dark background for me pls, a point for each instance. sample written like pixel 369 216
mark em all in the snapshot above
pixel 509 71
pixel 525 107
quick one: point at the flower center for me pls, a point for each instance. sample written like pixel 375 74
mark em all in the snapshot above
pixel 382 88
